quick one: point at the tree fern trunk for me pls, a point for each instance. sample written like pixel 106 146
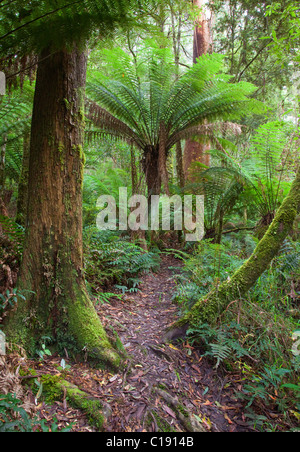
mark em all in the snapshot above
pixel 57 305
pixel 209 308
pixel 152 171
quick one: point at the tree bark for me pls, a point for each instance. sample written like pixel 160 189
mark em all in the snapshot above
pixel 152 171
pixel 209 308
pixel 51 275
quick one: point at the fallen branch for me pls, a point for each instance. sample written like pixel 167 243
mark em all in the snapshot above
pixel 97 412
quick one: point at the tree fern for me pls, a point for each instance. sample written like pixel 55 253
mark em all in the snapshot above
pixel 221 187
pixel 153 108
pixel 264 174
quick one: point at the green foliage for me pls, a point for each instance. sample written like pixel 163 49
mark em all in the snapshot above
pixel 15 233
pixel 150 105
pixel 222 187
pixel 279 286
pixel 42 24
pixel 15 117
pixel 104 180
pixel 245 35
pixel 9 407
pixel 9 299
pixel 271 166
pixel 13 418
pixel 256 183
pixel 111 260
pixel 209 265
pixel 43 351
pixel 253 335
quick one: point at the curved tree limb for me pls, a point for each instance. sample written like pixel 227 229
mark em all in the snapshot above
pixel 210 307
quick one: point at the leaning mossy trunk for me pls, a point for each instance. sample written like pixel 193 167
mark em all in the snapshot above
pixel 210 307
pixel 51 275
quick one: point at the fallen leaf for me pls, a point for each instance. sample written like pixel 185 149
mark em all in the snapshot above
pixel 169 411
pixel 111 380
pixel 228 419
pixel 174 348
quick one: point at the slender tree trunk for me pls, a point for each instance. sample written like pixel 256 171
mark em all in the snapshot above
pixel 179 164
pixel 136 236
pixel 209 308
pixel 195 151
pixel 51 276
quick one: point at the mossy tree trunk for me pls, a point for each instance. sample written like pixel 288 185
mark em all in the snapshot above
pixel 210 307
pixel 51 275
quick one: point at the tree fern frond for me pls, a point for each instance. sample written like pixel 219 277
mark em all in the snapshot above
pixel 109 124
pixel 211 130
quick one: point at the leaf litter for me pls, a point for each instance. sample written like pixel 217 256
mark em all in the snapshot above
pixel 159 381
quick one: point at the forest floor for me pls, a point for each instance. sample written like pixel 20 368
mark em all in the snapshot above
pixel 163 386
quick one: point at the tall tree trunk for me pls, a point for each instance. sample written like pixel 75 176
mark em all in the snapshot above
pixel 210 307
pixel 22 200
pixel 195 151
pixel 51 274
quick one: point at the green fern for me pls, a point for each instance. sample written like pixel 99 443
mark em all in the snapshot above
pixel 219 352
pixel 146 105
pixel 15 118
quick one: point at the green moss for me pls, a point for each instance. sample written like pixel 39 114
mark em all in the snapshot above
pixel 162 425
pixel 54 387
pixel 81 115
pixel 79 399
pixel 85 328
pixel 182 410
pixel 52 390
pixel 68 104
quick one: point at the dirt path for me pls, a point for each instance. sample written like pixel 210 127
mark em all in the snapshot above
pixel 164 387
pixel 158 370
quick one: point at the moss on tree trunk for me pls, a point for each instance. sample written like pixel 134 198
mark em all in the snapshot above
pixel 210 307
pixel 51 275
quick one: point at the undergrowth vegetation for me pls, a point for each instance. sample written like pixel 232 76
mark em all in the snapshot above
pixel 112 261
pixel 256 336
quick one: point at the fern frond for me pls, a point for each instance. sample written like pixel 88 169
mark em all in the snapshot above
pixel 184 106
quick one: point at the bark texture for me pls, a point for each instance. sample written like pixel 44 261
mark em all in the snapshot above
pixel 151 169
pixel 195 151
pixel 57 303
